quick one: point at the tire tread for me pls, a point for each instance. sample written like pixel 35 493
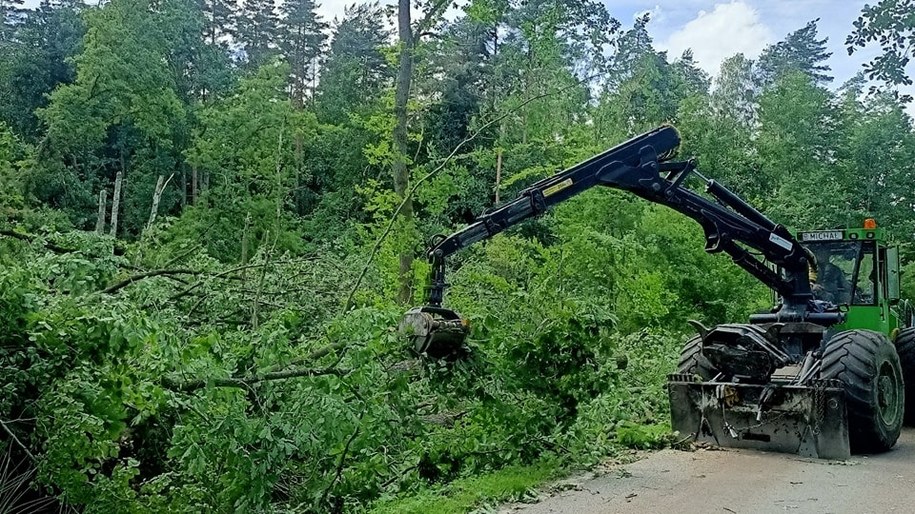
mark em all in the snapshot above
pixel 853 356
pixel 905 347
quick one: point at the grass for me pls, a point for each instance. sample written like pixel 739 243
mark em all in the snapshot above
pixel 465 494
pixel 510 483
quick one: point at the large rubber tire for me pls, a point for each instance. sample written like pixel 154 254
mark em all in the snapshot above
pixel 692 362
pixel 905 347
pixel 867 363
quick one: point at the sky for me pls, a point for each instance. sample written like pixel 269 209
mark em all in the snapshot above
pixel 717 29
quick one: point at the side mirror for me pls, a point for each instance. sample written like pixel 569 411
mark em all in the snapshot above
pixel 892 274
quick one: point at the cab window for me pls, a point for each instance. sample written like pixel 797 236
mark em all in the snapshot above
pixel 846 272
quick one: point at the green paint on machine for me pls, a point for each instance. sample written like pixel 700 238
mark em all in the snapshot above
pixel 862 276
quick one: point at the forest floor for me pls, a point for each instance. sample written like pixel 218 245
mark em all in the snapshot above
pixel 738 481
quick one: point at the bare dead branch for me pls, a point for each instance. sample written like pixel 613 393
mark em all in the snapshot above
pixel 188 290
pixel 147 274
pixel 17 441
pixel 249 381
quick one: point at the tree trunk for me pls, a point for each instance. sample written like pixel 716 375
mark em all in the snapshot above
pixel 102 204
pixel 498 173
pixel 194 184
pixel 400 169
pixel 244 241
pixel 183 186
pixel 157 195
pixel 299 144
pixel 280 194
pixel 116 204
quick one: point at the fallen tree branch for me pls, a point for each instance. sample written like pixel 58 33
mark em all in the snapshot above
pixel 188 290
pixel 405 366
pixel 444 419
pixel 184 254
pixel 16 439
pixel 268 257
pixel 402 474
pixel 247 382
pixel 313 356
pixel 147 274
pixel 198 303
pixel 340 465
pixel 31 239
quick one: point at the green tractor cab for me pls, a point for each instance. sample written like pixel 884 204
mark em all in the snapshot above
pixel 858 271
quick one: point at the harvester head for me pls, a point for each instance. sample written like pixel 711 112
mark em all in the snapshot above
pixel 435 331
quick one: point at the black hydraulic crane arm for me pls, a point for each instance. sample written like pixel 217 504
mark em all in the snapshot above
pixel 643 166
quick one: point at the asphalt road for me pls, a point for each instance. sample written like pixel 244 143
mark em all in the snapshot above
pixel 742 481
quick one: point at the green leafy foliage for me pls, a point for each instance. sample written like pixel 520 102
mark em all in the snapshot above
pixel 463 495
pixel 891 24
pixel 240 353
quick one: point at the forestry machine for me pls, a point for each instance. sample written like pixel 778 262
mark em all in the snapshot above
pixel 821 374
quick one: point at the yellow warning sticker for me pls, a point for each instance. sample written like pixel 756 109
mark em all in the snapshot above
pixel 559 186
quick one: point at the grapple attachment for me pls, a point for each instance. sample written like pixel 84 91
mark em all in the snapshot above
pixel 435 331
pixel 808 420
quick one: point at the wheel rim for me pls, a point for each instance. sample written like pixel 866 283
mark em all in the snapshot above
pixel 888 394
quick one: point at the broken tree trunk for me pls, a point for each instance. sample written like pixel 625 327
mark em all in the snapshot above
pixel 116 204
pixel 161 184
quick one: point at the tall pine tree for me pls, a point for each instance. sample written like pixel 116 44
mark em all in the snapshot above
pixel 301 39
pixel 218 19
pixel 256 27
pixel 355 69
pixel 11 16
pixel 38 61
pixel 801 51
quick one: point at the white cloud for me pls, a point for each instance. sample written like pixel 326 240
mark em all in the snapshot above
pixel 330 9
pixel 714 36
pixel 656 14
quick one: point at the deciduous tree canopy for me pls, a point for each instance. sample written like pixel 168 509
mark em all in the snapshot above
pixel 212 215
